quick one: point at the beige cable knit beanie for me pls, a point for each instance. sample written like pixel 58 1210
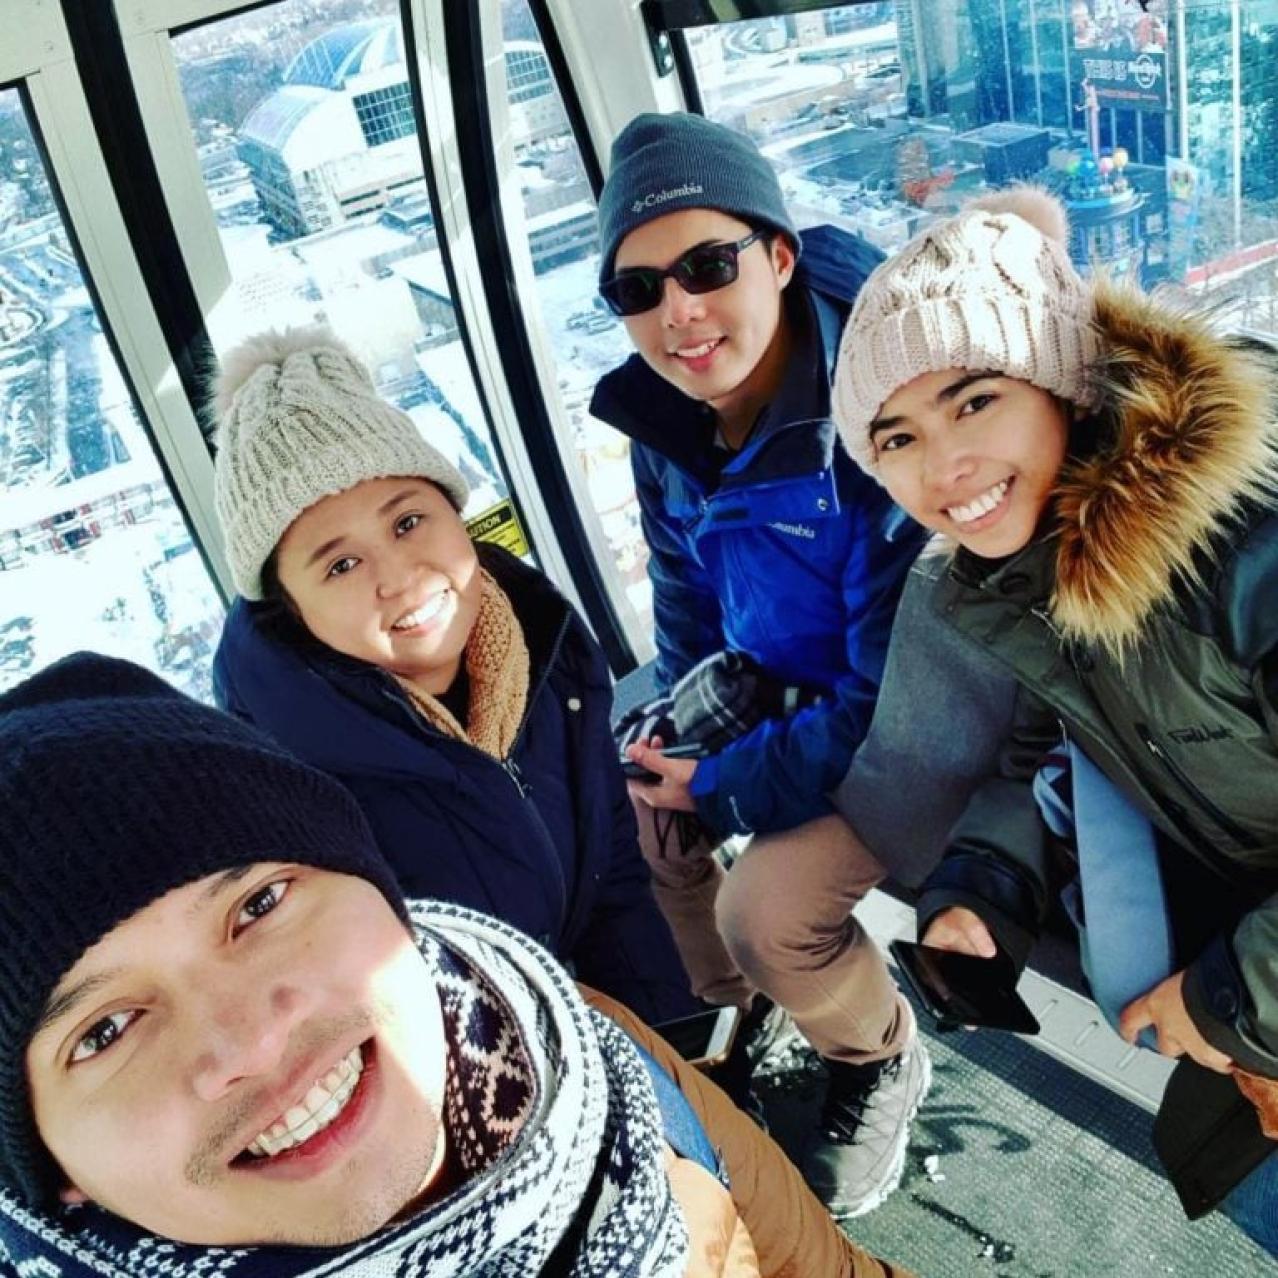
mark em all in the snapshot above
pixel 299 420
pixel 990 288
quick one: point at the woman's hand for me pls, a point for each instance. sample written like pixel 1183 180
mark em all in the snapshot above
pixel 1164 1008
pixel 961 930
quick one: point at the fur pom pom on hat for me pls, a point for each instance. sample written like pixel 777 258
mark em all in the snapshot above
pixel 991 288
pixel 299 419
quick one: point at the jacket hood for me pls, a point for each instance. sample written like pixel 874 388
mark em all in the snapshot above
pixel 1189 440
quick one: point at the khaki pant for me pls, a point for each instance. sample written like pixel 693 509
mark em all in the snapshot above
pixel 781 922
pixel 793 1235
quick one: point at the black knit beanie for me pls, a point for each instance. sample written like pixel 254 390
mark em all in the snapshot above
pixel 115 789
pixel 663 163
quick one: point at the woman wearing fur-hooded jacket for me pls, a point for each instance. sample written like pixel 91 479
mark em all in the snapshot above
pixel 1139 613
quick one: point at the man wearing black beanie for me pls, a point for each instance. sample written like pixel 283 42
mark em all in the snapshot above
pixel 228 1046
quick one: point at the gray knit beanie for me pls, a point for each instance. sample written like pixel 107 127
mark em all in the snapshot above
pixel 663 163
pixel 299 420
pixel 990 288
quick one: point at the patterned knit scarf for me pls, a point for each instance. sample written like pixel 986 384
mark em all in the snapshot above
pixel 551 1116
pixel 497 666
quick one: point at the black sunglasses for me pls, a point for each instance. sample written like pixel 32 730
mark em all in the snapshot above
pixel 700 270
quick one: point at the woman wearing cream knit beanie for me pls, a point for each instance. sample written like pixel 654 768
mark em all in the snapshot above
pixel 961 367
pixel 1106 467
pixel 446 683
pixel 990 288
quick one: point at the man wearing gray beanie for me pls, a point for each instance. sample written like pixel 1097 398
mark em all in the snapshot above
pixel 765 541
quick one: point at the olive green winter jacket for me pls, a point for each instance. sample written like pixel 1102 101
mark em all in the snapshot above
pixel 1144 621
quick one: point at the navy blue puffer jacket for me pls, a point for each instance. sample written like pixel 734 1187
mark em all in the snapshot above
pixel 546 841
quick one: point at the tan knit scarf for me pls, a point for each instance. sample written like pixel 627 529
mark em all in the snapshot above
pixel 497 665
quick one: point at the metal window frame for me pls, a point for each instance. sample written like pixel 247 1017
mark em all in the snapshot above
pixel 544 21
pixel 678 15
pixel 470 158
pixel 38 52
pixel 97 41
pixel 610 92
pixel 441 161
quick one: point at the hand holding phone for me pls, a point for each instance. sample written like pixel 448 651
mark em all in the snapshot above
pixel 960 989
pixel 961 930
pixel 637 772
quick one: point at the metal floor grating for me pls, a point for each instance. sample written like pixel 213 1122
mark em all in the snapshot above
pixel 1043 1163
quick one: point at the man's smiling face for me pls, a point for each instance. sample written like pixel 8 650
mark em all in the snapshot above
pixel 256 1057
pixel 722 347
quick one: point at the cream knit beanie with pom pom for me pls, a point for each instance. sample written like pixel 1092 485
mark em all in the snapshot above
pixel 299 420
pixel 990 288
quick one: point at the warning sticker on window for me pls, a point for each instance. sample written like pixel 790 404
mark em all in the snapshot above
pixel 500 525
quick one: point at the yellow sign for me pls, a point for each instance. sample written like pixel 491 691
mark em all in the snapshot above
pixel 500 525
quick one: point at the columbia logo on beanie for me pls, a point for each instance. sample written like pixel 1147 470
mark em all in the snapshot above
pixel 664 163
pixel 662 197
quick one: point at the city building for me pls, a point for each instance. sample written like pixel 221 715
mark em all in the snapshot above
pixel 1006 152
pixel 536 112
pixel 337 139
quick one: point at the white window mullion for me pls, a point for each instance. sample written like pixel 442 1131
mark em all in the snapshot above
pixel 455 226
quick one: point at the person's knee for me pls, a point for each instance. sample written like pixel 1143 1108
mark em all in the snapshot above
pixel 789 898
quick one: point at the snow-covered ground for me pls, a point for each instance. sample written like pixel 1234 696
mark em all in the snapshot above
pixel 119 595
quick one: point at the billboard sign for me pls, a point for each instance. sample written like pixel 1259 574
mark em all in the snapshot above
pixel 1185 186
pixel 1120 53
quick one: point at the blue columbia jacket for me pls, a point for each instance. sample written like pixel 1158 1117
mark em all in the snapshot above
pixel 546 841
pixel 788 552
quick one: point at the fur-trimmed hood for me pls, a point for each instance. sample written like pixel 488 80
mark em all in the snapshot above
pixel 1190 439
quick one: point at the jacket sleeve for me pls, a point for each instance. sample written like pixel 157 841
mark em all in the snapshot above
pixel 950 738
pixel 687 620
pixel 1231 988
pixel 998 860
pixel 627 947
pixel 778 775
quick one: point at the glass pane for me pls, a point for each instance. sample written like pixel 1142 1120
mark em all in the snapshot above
pixel 303 120
pixel 559 212
pixel 880 117
pixel 94 552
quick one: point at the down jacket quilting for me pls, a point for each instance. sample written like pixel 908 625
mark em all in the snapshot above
pixel 546 842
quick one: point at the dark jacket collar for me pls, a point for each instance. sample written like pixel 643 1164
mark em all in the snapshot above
pixel 317 695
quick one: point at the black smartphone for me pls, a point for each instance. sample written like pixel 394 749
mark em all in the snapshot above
pixel 960 989
pixel 637 772
pixel 705 1038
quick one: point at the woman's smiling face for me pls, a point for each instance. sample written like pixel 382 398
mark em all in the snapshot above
pixel 386 572
pixel 973 455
